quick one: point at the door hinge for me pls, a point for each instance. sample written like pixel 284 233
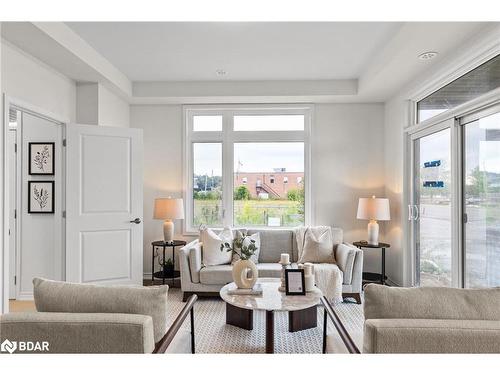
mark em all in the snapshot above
pixel 64 214
pixel 64 143
pixel 466 218
pixel 15 280
pixel 15 147
pixel 15 214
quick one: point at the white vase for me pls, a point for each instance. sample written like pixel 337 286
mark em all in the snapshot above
pixel 240 274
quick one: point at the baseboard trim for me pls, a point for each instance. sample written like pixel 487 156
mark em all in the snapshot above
pixel 25 296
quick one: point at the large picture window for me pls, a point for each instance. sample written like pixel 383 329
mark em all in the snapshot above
pixel 247 166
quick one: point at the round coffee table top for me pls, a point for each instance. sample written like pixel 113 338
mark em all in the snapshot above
pixel 271 298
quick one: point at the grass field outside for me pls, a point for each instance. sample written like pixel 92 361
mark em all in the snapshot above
pixel 255 212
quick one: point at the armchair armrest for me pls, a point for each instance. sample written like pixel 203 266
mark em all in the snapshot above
pixel 188 309
pixel 190 264
pixel 80 332
pixel 431 336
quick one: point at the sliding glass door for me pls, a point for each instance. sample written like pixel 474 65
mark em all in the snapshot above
pixel 481 201
pixel 431 211
pixel 454 207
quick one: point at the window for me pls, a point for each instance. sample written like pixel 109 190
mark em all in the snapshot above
pixel 269 123
pixel 246 167
pixel 207 184
pixel 208 123
pixel 262 204
pixel 484 78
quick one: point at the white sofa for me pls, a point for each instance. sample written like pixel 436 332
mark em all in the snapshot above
pixel 201 280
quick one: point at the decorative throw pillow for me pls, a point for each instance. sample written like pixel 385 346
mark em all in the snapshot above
pixel 318 246
pixel 211 241
pixel 256 237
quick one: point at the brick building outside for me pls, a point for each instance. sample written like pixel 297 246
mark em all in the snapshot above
pixel 269 184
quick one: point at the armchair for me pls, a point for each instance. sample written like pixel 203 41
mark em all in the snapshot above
pixel 82 318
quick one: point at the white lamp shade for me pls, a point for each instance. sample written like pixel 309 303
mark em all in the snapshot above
pixel 374 209
pixel 168 209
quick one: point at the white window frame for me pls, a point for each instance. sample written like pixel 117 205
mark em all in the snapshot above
pixel 228 137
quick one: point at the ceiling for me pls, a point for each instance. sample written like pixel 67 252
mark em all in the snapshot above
pixel 275 62
pixel 195 51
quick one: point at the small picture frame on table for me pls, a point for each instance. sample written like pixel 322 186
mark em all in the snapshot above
pixel 41 158
pixel 295 284
pixel 41 197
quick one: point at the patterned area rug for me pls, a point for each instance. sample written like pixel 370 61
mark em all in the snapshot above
pixel 213 335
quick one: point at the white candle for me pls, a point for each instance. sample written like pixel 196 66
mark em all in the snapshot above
pixel 285 258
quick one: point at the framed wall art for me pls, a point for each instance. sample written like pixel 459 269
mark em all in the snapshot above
pixel 41 160
pixel 41 197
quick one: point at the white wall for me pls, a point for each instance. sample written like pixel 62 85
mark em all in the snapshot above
pixel 113 110
pixel 97 105
pixel 33 82
pixel 396 118
pixel 347 162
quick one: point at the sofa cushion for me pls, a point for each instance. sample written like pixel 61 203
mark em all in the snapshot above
pixel 58 296
pixel 211 243
pixel 273 243
pixel 383 302
pixel 216 275
pixel 222 274
pixel 345 255
pixel 317 246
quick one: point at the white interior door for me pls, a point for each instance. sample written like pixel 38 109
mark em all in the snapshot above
pixel 104 197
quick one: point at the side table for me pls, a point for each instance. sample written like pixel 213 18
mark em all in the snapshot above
pixel 371 276
pixel 162 274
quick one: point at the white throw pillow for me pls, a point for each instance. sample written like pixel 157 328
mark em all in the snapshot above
pixel 211 241
pixel 318 246
pixel 246 242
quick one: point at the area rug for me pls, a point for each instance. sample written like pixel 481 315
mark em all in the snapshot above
pixel 213 335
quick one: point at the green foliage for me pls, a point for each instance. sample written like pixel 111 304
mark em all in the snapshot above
pixel 242 251
pixel 241 193
pixel 213 195
pixel 295 195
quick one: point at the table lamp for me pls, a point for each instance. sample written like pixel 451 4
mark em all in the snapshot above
pixel 373 209
pixel 168 209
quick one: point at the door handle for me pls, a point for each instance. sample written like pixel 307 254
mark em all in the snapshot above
pixel 410 212
pixel 136 221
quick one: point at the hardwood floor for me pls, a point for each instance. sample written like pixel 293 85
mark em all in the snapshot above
pixel 21 306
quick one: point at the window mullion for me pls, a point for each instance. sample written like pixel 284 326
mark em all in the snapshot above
pixel 227 168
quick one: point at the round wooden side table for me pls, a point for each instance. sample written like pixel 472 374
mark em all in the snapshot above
pixel 372 276
pixel 163 274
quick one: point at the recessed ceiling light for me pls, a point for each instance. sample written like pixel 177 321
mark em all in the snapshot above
pixel 427 55
pixel 220 72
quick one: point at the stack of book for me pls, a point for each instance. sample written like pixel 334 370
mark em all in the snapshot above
pixel 255 291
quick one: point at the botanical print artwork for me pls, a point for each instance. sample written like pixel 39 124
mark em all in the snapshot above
pixel 41 158
pixel 41 197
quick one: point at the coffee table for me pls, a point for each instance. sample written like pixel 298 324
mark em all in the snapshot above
pixel 302 310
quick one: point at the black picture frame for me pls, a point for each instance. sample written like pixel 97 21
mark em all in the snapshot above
pixel 33 210
pixel 290 290
pixel 52 149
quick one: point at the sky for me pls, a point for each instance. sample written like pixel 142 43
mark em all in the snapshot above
pixel 250 157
